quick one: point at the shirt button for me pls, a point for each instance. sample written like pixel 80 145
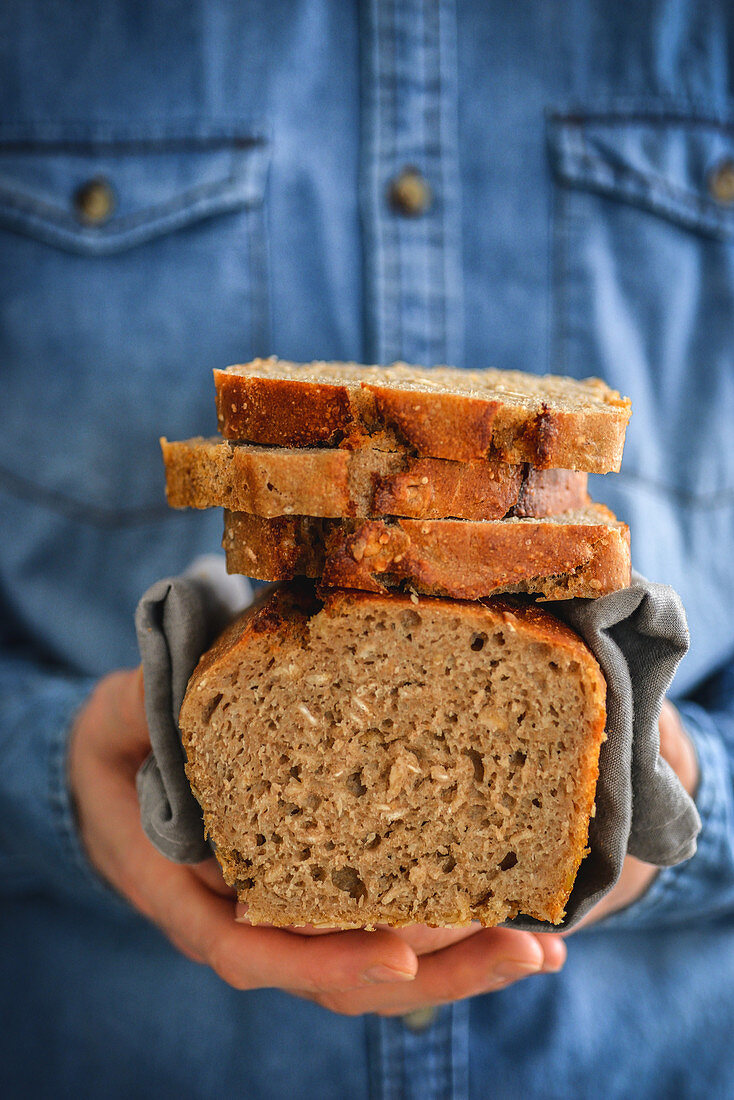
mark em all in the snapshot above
pixel 721 182
pixel 409 193
pixel 94 201
pixel 420 1019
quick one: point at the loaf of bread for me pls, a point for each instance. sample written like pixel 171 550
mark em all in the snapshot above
pixel 335 482
pixel 580 553
pixel 365 759
pixel 437 412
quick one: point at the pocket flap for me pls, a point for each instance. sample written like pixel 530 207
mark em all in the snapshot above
pixel 679 167
pixel 98 191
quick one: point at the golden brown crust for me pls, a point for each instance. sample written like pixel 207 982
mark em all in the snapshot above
pixel 436 488
pixel 279 613
pixel 272 481
pixel 282 611
pixel 557 438
pixel 281 412
pixel 276 481
pixel 585 433
pixel 443 425
pixel 549 492
pixel 587 556
pixel 274 549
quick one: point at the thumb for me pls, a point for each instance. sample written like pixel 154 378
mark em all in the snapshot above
pixel 113 722
pixel 131 723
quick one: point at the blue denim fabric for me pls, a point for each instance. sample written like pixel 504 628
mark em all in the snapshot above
pixel 572 153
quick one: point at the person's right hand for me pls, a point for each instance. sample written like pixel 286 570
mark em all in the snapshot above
pixel 350 972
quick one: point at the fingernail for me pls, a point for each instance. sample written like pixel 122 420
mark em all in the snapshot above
pixel 555 954
pixel 513 969
pixel 240 913
pixel 553 967
pixel 383 973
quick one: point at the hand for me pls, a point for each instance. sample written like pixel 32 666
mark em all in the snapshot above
pixel 636 876
pixel 349 972
pixel 453 964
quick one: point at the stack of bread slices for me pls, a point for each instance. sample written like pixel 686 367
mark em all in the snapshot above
pixel 400 742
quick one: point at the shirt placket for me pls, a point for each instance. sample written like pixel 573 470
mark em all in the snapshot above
pixel 410 204
pixel 426 1063
pixel 412 250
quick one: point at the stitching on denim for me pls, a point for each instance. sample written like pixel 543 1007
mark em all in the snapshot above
pixel 433 231
pixel 550 222
pixel 618 181
pixel 92 514
pixel 62 814
pixel 390 306
pixel 122 133
pixel 259 281
pixel 257 290
pixel 573 147
pixel 390 1059
pixel 460 1019
pixel 377 227
pixel 686 114
pixel 365 183
pixel 563 231
pixel 431 1041
pixel 555 280
pixel 409 262
pixel 123 146
pixel 38 211
pixel 444 167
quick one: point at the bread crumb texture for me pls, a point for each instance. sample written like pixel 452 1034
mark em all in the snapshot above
pixel 372 760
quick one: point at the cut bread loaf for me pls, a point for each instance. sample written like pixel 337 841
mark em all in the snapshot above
pixel 580 553
pixel 436 412
pixel 371 760
pixel 334 482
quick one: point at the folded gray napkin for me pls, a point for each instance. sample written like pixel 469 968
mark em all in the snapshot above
pixel 638 636
pixel 176 621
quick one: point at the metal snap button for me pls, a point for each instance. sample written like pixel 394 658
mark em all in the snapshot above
pixel 94 201
pixel 721 182
pixel 420 1019
pixel 409 193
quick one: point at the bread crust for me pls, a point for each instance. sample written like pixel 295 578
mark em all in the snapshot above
pixel 281 624
pixel 281 411
pixel 279 613
pixel 332 482
pixel 588 556
pixel 445 425
pixel 281 403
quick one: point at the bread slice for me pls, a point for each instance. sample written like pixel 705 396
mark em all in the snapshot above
pixel 328 481
pixel 371 760
pixel 579 553
pixel 435 412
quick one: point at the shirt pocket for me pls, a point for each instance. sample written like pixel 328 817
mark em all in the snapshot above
pixel 643 286
pixel 134 261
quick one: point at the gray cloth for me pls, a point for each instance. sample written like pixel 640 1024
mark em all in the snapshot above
pixel 638 636
pixel 176 621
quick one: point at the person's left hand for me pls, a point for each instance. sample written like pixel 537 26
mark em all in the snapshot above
pixel 453 964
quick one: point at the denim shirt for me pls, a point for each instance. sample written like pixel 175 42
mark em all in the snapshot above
pixel 189 184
